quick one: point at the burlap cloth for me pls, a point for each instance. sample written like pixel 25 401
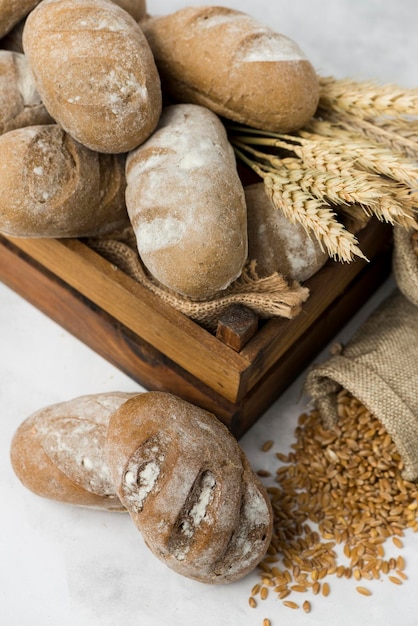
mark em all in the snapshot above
pixel 405 263
pixel 379 366
pixel 269 296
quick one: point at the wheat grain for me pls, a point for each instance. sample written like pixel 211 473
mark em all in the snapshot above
pixel 367 99
pixel 348 481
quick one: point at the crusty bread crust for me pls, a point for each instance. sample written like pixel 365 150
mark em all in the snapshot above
pixel 188 487
pixel 52 186
pixel 239 68
pixel 277 244
pixel 59 451
pixel 186 203
pixel 94 71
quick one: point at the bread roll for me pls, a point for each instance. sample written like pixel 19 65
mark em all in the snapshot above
pixel 20 103
pixel 186 203
pixel 52 186
pixel 275 243
pixel 59 451
pixel 239 68
pixel 188 488
pixel 94 71
pixel 12 12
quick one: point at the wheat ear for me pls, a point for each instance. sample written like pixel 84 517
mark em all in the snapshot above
pixel 366 99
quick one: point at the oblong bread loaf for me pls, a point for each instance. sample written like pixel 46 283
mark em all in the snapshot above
pixel 186 203
pixel 226 60
pixel 188 488
pixel 275 243
pixel 52 186
pixel 94 71
pixel 59 451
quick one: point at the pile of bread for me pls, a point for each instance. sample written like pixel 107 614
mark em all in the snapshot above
pixel 174 467
pixel 114 118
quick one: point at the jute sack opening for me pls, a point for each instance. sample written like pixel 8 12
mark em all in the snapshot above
pixel 379 366
pixel 405 263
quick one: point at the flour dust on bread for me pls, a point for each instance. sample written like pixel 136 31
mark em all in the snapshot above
pixel 186 203
pixel 52 186
pixel 59 451
pixel 94 71
pixel 226 60
pixel 188 488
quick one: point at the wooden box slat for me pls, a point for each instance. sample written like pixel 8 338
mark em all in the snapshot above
pixel 162 349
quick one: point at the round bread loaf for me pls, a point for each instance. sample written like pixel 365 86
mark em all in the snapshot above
pixel 186 203
pixel 239 68
pixel 52 186
pixel 59 451
pixel 188 488
pixel 94 71
pixel 20 102
pixel 275 243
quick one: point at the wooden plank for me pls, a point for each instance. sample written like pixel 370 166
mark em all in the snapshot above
pixel 236 326
pixel 173 334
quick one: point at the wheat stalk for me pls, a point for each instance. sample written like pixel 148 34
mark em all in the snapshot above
pixel 328 173
pixel 395 135
pixel 317 218
pixel 364 154
pixel 299 206
pixel 366 99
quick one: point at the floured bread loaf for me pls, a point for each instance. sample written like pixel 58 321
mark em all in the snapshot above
pixel 188 488
pixel 186 203
pixel 275 243
pixel 239 68
pixel 12 12
pixel 20 102
pixel 59 451
pixel 94 71
pixel 52 186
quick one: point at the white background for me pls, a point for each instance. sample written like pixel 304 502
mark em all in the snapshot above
pixel 61 565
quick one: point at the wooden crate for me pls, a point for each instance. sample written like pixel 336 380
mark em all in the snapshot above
pixel 162 349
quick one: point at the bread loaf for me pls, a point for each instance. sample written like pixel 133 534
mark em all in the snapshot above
pixel 52 186
pixel 275 243
pixel 186 203
pixel 239 68
pixel 12 12
pixel 188 488
pixel 59 451
pixel 20 103
pixel 94 71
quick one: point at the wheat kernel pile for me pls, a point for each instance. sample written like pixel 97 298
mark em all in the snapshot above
pixel 338 497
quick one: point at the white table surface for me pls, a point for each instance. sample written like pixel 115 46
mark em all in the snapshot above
pixel 67 566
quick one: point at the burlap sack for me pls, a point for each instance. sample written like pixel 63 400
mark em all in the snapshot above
pixel 379 366
pixel 405 263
